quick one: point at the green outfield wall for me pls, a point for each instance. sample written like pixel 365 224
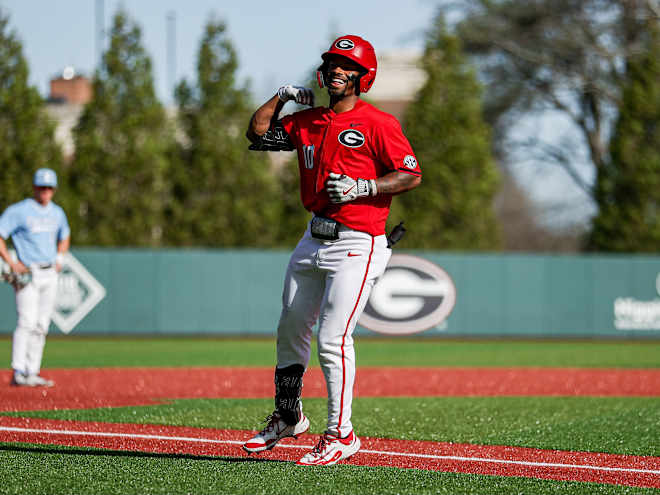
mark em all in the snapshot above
pixel 239 292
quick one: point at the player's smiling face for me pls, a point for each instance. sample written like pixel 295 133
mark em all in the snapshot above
pixel 341 75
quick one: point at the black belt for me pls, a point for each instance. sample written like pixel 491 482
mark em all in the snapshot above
pixel 45 266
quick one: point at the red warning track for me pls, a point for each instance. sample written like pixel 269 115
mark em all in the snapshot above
pixel 113 387
pixel 639 471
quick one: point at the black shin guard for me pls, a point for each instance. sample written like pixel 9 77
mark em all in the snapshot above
pixel 288 387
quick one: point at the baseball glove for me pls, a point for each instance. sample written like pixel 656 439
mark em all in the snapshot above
pixel 17 280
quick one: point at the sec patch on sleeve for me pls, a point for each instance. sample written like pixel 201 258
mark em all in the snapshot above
pixel 410 162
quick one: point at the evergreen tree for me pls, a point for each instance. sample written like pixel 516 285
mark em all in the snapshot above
pixel 26 133
pixel 453 207
pixel 628 188
pixel 225 195
pixel 122 139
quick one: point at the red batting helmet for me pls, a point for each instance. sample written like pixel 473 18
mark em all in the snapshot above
pixel 359 51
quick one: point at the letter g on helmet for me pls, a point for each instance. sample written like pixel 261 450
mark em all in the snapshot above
pixel 359 51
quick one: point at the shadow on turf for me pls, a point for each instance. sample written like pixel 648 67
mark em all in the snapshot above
pixel 122 453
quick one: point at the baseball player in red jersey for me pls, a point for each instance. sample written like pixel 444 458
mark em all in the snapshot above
pixel 353 158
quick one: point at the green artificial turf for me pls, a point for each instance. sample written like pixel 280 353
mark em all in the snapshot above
pixel 90 471
pixel 600 424
pixel 76 352
pixel 603 424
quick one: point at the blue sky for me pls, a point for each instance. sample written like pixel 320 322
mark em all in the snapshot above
pixel 277 41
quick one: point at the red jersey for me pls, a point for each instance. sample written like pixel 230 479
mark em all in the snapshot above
pixel 364 143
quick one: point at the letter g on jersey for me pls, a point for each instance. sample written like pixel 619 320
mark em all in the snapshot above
pixel 413 295
pixel 351 138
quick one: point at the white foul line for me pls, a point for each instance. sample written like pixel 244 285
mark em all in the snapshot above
pixel 364 451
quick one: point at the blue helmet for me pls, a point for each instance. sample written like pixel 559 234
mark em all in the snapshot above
pixel 45 177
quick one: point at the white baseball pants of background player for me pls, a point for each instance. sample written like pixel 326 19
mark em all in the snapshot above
pixel 329 282
pixel 34 304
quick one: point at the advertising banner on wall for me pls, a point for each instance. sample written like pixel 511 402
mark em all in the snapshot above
pixel 78 292
pixel 421 294
pixel 631 314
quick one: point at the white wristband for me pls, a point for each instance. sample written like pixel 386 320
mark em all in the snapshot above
pixel 59 258
pixel 373 188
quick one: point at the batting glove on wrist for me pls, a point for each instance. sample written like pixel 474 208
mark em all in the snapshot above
pixel 342 188
pixel 299 94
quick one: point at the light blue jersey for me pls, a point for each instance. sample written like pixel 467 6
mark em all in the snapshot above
pixel 35 230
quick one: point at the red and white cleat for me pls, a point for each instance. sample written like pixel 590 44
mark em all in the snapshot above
pixel 330 450
pixel 276 429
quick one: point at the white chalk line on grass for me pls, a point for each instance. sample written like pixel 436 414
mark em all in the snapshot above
pixel 364 451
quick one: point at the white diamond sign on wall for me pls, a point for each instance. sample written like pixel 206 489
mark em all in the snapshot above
pixel 78 292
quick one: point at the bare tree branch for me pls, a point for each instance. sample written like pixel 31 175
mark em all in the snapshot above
pixel 543 151
pixel 568 55
pixel 653 7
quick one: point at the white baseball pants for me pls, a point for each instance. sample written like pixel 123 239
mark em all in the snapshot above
pixel 34 304
pixel 329 282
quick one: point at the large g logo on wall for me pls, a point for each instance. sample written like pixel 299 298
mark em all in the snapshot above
pixel 413 295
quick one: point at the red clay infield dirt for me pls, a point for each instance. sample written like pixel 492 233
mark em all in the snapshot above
pixel 113 387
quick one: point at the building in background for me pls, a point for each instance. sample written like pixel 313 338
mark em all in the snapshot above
pixel 69 93
pixel 70 88
pixel 399 78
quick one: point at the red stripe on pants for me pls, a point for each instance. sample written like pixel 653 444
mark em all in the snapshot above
pixel 343 340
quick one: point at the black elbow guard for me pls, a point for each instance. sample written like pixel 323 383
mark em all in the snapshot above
pixel 275 139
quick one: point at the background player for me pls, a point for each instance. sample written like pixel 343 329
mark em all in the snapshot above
pixel 40 233
pixel 352 159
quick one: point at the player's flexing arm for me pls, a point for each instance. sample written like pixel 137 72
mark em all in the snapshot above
pixel 262 118
pixel 267 113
